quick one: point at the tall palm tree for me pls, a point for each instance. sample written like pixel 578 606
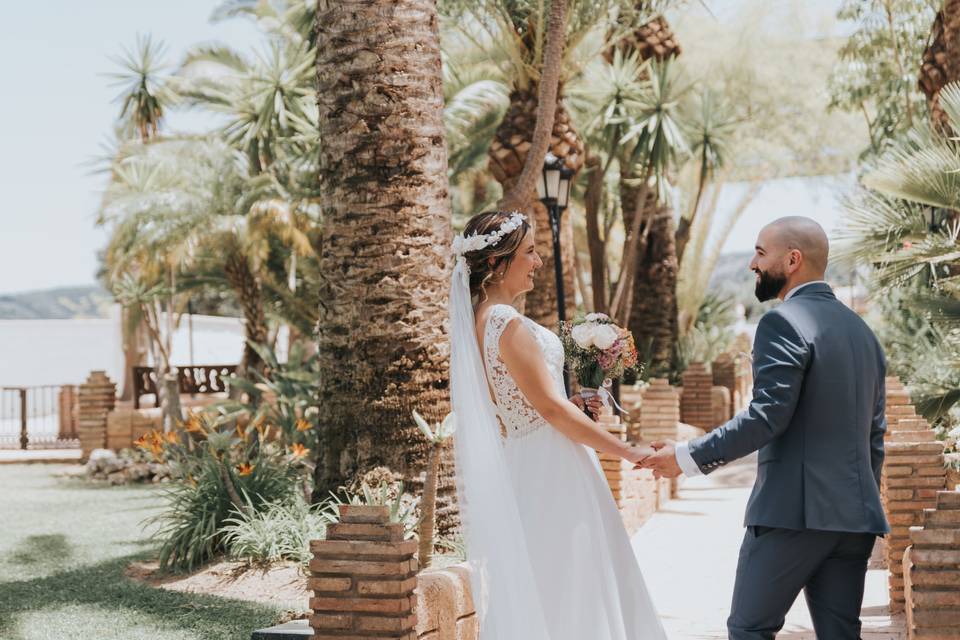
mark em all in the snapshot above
pixel 385 237
pixel 145 95
pixel 515 34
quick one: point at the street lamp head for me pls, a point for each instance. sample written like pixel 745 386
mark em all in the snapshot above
pixel 553 187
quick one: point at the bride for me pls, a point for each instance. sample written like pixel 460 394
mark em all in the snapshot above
pixel 550 557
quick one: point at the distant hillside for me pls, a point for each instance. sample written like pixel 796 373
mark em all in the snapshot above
pixel 56 304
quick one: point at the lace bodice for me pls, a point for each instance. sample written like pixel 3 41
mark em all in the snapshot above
pixel 517 414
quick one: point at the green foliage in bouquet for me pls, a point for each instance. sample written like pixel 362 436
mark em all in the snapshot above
pixel 597 349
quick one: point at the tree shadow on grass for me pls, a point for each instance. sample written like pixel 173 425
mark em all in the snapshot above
pixel 104 585
pixel 42 551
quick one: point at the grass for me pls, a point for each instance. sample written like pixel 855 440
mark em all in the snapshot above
pixel 64 545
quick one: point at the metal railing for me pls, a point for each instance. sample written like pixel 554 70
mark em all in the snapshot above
pixel 38 417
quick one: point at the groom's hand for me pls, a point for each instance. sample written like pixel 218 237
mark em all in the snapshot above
pixel 663 463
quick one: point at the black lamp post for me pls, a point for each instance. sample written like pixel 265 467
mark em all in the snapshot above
pixel 553 187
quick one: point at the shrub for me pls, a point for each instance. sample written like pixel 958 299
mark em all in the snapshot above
pixel 212 467
pixel 280 530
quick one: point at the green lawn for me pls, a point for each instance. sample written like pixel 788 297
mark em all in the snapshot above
pixel 64 544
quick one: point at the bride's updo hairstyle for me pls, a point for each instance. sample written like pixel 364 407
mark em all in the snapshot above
pixel 481 271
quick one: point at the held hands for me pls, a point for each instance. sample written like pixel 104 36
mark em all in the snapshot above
pixel 663 462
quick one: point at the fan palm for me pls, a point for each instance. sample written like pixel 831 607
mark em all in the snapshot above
pixel 514 34
pixel 904 223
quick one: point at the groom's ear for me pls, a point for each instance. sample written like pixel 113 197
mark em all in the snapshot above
pixel 794 260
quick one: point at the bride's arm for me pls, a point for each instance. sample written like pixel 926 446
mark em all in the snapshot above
pixel 522 355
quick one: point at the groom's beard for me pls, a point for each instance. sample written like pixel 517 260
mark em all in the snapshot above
pixel 769 285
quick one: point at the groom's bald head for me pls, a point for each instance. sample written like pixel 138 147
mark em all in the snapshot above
pixel 803 235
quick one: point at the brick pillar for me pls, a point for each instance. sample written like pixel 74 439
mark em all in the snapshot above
pixel 913 473
pixel 658 414
pixel 897 404
pixel 725 375
pixel 696 402
pixel 363 578
pixel 722 406
pixel 612 464
pixel 95 399
pixel 67 417
pixel 931 568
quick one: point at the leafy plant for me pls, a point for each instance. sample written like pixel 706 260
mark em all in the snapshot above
pixel 378 487
pixel 213 468
pixel 280 530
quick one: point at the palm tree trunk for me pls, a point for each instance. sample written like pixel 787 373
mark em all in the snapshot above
pixel 385 250
pixel 518 195
pixel 595 244
pixel 941 60
pixel 250 296
pixel 653 314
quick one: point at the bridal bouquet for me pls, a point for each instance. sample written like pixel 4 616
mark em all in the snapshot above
pixel 598 351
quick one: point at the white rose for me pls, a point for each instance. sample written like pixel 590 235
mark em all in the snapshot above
pixel 582 334
pixel 594 317
pixel 604 336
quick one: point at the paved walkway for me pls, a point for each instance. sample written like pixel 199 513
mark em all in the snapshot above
pixel 18 456
pixel 688 553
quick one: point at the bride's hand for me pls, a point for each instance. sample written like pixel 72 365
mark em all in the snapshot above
pixel 592 406
pixel 637 454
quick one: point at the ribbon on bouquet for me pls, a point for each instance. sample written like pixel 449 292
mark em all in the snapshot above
pixel 606 397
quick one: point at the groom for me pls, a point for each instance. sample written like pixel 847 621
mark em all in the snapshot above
pixel 817 418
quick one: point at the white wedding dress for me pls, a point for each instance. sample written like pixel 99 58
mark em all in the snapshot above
pixel 590 586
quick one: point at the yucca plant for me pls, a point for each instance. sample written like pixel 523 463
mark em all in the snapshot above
pixel 280 530
pixel 438 436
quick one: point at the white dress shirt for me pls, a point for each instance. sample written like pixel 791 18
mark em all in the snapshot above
pixel 682 451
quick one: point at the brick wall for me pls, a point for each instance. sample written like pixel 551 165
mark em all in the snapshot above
pixel 931 570
pixel 696 401
pixel 913 474
pixel 95 399
pixel 657 413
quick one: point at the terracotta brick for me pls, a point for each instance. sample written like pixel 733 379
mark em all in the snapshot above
pixel 377 532
pixel 368 605
pixel 361 567
pixel 386 587
pixel 915 481
pixel 382 623
pixel 897 471
pixel 948 500
pixel 332 621
pixel 364 514
pixel 932 471
pixel 937 617
pixel 370 549
pixel 936 598
pixel 913 505
pixel 942 518
pixel 946 559
pixel 905 448
pixel 324 585
pixel 935 537
pixel 935 578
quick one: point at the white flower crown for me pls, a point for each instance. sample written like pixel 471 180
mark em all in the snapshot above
pixel 476 242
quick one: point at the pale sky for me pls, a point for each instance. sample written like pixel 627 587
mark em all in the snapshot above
pixel 57 110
